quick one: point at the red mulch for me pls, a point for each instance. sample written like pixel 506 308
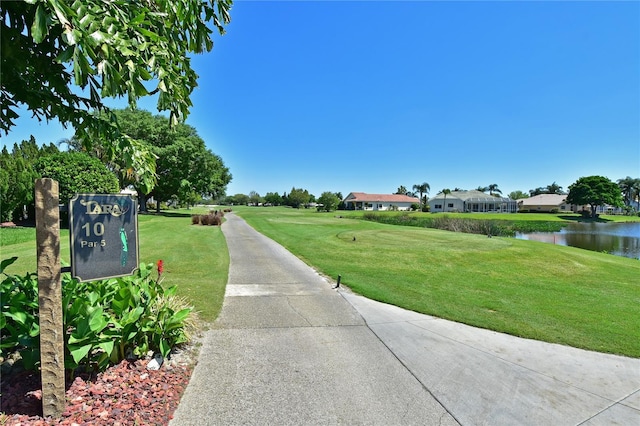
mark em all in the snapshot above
pixel 124 394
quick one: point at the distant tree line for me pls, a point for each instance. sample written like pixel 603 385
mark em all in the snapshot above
pixel 296 198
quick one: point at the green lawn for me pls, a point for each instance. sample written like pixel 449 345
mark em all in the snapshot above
pixel 541 217
pixel 195 257
pixel 541 291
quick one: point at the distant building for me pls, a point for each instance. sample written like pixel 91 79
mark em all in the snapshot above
pixel 546 203
pixel 471 202
pixel 363 201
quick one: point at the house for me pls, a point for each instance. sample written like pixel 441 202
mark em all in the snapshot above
pixel 471 201
pixel 363 201
pixel 545 203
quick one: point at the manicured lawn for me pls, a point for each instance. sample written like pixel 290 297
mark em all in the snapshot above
pixel 195 257
pixel 541 291
pixel 540 217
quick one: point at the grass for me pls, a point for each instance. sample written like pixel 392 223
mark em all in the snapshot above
pixel 525 288
pixel 195 257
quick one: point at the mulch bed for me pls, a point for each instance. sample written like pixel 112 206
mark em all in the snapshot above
pixel 124 394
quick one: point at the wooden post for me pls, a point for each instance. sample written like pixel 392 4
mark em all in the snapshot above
pixel 50 297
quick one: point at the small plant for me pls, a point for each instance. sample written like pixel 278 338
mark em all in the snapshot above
pixel 104 321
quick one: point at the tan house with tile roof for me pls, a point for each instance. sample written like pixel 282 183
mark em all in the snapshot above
pixel 363 201
pixel 546 203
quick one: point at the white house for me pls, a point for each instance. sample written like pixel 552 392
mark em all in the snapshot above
pixel 363 201
pixel 471 201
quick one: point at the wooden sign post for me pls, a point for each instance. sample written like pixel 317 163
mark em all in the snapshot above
pixel 50 297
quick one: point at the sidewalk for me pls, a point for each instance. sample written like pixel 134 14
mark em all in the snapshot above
pixel 289 349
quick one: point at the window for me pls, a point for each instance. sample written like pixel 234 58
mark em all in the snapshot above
pixel 437 206
pixel 450 205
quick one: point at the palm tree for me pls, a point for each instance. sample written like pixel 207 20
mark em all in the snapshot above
pixel 493 189
pixel 482 188
pixel 445 192
pixel 554 188
pixel 422 188
pixel 630 188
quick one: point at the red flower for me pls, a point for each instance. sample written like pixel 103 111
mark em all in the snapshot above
pixel 160 266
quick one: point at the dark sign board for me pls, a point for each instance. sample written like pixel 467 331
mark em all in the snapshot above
pixel 103 230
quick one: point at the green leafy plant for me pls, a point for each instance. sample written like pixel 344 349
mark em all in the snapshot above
pixel 20 330
pixel 104 321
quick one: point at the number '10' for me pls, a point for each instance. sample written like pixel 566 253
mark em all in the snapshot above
pixel 98 229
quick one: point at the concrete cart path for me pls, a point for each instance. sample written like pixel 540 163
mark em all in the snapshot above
pixel 288 349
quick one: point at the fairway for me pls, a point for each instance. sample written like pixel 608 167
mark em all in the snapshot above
pixel 529 289
pixel 535 290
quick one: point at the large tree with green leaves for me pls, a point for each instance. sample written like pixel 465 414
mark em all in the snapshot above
pixel 298 197
pixel 17 177
pixel 77 172
pixel 329 201
pixel 594 191
pixel 184 167
pixel 52 48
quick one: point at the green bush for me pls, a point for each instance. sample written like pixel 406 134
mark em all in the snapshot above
pixel 105 321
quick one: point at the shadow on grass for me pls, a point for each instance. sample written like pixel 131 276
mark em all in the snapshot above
pixel 582 219
pixel 168 214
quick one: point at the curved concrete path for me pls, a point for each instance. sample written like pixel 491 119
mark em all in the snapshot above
pixel 288 349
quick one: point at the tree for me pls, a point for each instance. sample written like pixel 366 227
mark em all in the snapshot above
pixel 273 198
pixel 329 201
pixel 594 191
pixel 630 188
pixel 49 49
pixel 298 197
pixel 180 155
pixel 77 172
pixel 517 195
pixel 482 188
pixel 255 198
pixel 237 199
pixel 493 189
pixel 554 188
pixel 109 49
pixel 401 190
pixel 446 192
pixel 18 176
pixel 422 188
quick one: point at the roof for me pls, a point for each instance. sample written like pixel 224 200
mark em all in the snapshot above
pixel 380 198
pixel 473 196
pixel 544 200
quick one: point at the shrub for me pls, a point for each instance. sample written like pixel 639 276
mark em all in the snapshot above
pixel 215 220
pixel 195 219
pixel 204 219
pixel 104 321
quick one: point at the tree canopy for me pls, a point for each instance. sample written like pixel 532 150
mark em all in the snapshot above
pixel 17 176
pixel 329 201
pixel 594 191
pixel 184 165
pixel 77 172
pixel 50 51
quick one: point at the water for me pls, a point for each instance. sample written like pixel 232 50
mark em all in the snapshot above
pixel 620 239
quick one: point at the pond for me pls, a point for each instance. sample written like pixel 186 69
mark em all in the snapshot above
pixel 620 239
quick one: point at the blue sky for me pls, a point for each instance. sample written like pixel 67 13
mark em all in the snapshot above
pixel 367 96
